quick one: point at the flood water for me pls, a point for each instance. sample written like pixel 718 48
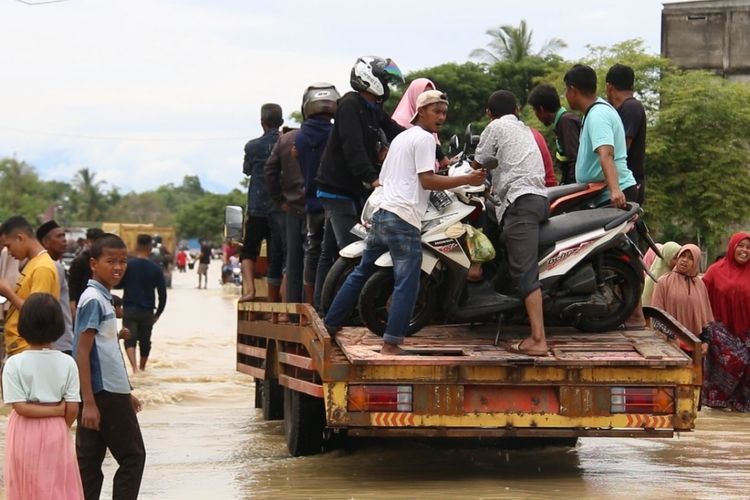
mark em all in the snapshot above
pixel 206 441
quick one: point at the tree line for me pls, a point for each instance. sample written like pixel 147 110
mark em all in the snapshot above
pixel 697 145
pixel 86 201
pixel 698 139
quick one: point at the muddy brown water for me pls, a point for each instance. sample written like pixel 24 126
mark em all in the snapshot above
pixel 206 441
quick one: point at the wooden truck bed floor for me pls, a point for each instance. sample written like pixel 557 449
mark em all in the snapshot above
pixel 467 345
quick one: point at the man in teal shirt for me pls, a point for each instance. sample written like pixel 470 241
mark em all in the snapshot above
pixel 602 150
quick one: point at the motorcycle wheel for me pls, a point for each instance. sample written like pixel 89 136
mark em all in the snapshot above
pixel 375 300
pixel 334 279
pixel 624 285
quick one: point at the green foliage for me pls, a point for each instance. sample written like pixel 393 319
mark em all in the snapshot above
pixel 143 208
pixel 698 158
pixel 203 217
pixel 468 85
pixel 649 69
pixel 175 197
pixel 520 77
pixel 513 44
pixel 83 202
pixel 19 191
pixel 696 165
pixel 89 200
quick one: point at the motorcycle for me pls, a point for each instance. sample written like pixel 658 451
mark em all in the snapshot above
pixel 562 199
pixel 590 270
pixel 232 272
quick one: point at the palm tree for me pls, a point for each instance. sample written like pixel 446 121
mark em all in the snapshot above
pixel 510 43
pixel 91 200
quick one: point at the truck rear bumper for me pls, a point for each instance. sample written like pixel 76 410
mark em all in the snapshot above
pixel 417 432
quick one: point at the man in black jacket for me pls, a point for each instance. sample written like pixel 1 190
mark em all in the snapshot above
pixel 354 152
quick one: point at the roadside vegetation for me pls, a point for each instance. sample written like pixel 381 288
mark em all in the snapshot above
pixel 698 145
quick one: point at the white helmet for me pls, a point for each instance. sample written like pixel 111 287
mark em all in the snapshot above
pixel 372 74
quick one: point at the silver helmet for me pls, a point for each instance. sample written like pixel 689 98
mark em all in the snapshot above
pixel 319 98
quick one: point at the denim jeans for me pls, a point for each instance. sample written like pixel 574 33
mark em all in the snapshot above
pixel 295 251
pixel 275 247
pixel 388 233
pixel 315 222
pixel 340 216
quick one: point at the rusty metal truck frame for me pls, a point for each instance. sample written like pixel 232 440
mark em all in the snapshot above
pixel 299 369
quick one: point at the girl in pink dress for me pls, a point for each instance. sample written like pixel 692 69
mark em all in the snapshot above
pixel 42 386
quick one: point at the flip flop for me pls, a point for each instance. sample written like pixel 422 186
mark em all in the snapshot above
pixel 517 349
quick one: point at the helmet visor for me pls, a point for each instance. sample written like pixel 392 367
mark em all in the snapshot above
pixel 392 72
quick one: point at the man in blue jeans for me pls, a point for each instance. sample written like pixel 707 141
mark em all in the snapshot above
pixel 407 178
pixel 351 160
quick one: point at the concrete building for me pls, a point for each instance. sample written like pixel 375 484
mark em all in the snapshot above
pixel 711 34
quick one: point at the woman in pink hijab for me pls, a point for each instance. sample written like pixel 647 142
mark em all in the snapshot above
pixel 406 108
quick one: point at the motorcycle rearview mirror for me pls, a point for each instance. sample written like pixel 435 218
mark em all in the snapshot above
pixel 233 222
pixel 467 137
pixel 453 143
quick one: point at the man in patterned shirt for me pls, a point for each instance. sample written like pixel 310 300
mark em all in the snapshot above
pixel 518 182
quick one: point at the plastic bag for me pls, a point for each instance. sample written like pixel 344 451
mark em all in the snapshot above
pixel 480 247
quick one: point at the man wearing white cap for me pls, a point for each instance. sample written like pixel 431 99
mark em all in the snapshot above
pixel 407 177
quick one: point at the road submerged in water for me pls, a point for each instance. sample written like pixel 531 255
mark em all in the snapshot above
pixel 205 440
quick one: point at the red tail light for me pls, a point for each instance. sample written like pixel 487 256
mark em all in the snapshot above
pixel 652 400
pixel 384 398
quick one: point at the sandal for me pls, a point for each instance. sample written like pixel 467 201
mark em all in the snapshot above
pixel 517 349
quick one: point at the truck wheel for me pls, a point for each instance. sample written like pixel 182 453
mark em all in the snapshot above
pixel 375 300
pixel 258 393
pixel 334 279
pixel 273 400
pixel 304 423
pixel 623 285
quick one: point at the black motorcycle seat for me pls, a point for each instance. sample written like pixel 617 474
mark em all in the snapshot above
pixel 571 224
pixel 555 192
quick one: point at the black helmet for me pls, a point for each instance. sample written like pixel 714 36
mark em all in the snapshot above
pixel 319 98
pixel 372 74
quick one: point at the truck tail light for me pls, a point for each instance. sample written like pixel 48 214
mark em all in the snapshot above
pixel 653 400
pixel 384 398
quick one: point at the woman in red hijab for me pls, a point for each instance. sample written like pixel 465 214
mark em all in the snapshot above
pixel 727 377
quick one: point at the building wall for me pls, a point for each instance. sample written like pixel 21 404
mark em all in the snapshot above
pixel 711 35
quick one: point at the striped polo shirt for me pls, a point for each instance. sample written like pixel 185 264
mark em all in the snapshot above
pixel 95 312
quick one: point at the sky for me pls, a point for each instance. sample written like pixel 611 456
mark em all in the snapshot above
pixel 144 92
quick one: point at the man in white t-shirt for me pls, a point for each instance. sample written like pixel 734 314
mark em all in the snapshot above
pixel 407 177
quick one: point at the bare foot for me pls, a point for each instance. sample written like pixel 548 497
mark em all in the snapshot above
pixel 249 296
pixel 636 319
pixel 391 350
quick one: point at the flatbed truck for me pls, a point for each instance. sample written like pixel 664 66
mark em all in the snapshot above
pixel 458 381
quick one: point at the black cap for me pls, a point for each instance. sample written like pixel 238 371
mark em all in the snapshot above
pixel 45 228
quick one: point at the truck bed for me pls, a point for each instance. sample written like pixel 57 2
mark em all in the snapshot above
pixel 475 345
pixel 461 380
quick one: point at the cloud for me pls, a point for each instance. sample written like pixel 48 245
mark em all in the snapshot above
pixel 144 92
